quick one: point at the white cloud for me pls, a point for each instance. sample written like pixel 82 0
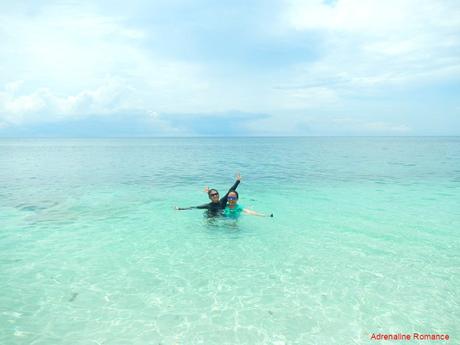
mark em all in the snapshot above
pixel 76 60
pixel 113 98
pixel 378 43
pixel 17 107
pixel 378 127
pixel 386 127
pixel 51 47
pixel 65 56
pixel 379 18
pixel 304 97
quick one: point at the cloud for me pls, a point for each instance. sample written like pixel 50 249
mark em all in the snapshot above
pixel 56 44
pixel 68 49
pixel 381 18
pixel 300 64
pixel 350 124
pixel 113 96
pixel 143 124
pixel 378 44
pixel 230 123
pixel 111 109
pixel 117 125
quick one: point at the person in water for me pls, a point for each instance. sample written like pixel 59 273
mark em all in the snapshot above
pixel 233 210
pixel 216 205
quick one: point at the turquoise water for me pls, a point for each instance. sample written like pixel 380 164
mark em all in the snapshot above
pixel 365 239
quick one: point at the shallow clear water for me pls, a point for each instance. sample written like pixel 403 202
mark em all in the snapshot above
pixel 365 239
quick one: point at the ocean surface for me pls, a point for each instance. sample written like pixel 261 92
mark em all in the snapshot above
pixel 365 239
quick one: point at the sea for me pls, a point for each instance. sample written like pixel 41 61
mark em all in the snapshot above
pixel 364 240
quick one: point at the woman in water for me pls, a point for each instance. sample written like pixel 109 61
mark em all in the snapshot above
pixel 233 210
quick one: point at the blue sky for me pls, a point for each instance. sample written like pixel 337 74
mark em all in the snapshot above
pixel 187 68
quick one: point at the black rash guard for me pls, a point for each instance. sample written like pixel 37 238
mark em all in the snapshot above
pixel 215 207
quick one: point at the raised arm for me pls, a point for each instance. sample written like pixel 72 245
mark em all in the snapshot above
pixel 223 200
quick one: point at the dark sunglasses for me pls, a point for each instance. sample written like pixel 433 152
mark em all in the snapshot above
pixel 213 194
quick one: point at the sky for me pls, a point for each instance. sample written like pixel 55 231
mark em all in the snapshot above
pixel 229 68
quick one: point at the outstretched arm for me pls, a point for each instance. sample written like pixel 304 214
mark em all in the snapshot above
pixel 254 213
pixel 205 206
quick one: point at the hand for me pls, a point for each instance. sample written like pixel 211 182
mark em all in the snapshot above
pixel 206 189
pixel 238 176
pixel 176 208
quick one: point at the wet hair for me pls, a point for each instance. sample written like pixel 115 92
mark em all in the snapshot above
pixel 234 191
pixel 212 190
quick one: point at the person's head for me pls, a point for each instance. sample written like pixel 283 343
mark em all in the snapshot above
pixel 232 198
pixel 213 195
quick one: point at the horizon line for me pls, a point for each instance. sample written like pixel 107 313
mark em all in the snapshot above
pixel 233 136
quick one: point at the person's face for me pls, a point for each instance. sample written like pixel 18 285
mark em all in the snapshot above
pixel 214 196
pixel 232 199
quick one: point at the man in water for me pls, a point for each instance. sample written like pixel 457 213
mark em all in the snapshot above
pixel 216 206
